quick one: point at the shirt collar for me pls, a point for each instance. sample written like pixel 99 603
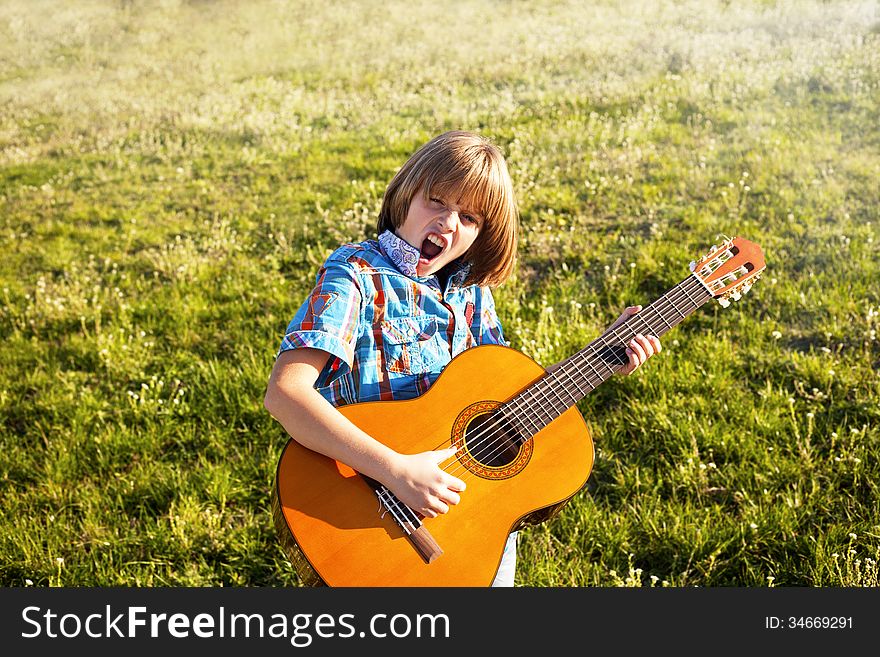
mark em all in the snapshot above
pixel 406 258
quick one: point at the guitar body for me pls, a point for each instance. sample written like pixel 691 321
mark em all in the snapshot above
pixel 329 519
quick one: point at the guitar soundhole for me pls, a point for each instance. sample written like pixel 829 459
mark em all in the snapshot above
pixel 491 441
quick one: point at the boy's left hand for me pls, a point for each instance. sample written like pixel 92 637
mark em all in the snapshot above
pixel 640 348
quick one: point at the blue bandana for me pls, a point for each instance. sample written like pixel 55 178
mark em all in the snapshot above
pixel 403 254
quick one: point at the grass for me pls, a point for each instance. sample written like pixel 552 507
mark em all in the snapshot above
pixel 171 175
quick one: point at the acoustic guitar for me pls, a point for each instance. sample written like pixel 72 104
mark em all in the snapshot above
pixel 524 451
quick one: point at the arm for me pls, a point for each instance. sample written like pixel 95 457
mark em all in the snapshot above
pixel 312 421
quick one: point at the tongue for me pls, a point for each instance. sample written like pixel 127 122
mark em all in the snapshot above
pixel 430 250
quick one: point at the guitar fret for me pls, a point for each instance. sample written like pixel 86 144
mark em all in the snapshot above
pixel 522 416
pixel 644 320
pixel 660 315
pixel 690 298
pixel 553 390
pixel 514 420
pixel 574 381
pixel 514 410
pixel 595 371
pixel 610 350
pixel 542 399
pixel 674 306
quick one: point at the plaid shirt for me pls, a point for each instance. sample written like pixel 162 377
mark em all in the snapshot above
pixel 389 331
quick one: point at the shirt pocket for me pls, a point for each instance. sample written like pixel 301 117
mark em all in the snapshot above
pixel 408 343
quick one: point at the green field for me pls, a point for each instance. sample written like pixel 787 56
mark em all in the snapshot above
pixel 173 173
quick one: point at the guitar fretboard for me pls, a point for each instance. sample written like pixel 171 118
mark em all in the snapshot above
pixel 576 377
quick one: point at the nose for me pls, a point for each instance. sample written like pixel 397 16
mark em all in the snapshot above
pixel 448 220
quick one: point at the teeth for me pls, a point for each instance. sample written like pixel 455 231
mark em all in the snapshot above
pixel 436 240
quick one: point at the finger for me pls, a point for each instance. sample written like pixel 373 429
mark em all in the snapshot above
pixel 656 342
pixel 451 497
pixel 450 482
pixel 646 345
pixel 632 364
pixel 439 507
pixel 442 454
pixel 628 312
pixel 456 484
pixel 638 353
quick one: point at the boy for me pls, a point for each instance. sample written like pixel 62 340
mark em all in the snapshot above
pixel 387 315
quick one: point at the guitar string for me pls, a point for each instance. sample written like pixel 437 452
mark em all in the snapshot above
pixel 399 511
pixel 673 297
pixel 395 506
pixel 498 438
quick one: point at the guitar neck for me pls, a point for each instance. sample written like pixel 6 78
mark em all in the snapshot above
pixel 576 377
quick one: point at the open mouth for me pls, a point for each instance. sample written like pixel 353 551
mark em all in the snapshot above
pixel 432 246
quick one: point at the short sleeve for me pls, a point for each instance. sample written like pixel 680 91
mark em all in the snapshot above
pixel 329 318
pixel 488 329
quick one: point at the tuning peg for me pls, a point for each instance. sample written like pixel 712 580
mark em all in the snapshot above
pixel 746 287
pixel 724 301
pixel 693 265
pixel 736 296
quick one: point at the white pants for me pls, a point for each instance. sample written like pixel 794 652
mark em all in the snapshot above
pixel 507 569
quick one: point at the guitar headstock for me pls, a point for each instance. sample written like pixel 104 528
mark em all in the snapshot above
pixel 729 270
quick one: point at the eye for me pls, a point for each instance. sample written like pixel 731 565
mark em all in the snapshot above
pixel 436 201
pixel 470 219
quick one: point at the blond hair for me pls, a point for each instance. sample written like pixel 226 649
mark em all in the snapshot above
pixel 470 170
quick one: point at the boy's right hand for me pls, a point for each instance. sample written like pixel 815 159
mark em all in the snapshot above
pixel 423 486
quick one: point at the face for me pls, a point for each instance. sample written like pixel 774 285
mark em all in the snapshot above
pixel 441 229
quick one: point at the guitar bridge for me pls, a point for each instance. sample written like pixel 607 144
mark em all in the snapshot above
pixel 408 520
